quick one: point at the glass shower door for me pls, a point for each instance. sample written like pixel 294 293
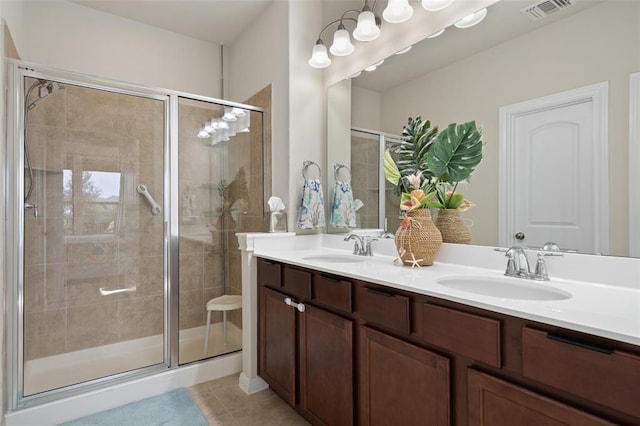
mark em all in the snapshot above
pixel 94 234
pixel 220 193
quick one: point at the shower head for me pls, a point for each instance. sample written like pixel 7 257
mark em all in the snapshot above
pixel 47 87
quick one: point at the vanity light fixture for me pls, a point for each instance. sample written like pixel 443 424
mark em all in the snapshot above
pixel 436 34
pixel 233 121
pixel 435 5
pixel 342 45
pixel 368 28
pixel 397 11
pixel 319 56
pixel 229 115
pixel 472 19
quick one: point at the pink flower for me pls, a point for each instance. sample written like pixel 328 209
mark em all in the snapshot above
pixel 414 180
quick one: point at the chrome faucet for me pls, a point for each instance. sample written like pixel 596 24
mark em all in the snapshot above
pixel 362 245
pixel 358 247
pixel 518 264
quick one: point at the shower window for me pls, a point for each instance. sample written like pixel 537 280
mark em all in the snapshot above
pixel 97 200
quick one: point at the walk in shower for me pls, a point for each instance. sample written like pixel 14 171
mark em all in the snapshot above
pixel 126 201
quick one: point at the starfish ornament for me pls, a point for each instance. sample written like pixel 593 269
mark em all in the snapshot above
pixel 413 261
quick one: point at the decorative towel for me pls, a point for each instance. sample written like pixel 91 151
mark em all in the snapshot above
pixel 343 211
pixel 311 213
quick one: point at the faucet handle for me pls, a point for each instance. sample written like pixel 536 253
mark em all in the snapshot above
pixel 368 250
pixel 541 273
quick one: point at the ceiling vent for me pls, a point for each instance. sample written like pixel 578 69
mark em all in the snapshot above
pixel 545 8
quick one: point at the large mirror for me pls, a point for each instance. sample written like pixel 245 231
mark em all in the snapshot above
pixel 471 74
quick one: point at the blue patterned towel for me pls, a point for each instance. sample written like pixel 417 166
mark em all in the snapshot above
pixel 311 213
pixel 343 211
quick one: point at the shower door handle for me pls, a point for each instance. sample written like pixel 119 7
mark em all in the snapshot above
pixel 106 292
pixel 29 206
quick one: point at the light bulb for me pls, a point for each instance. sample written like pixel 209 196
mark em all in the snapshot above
pixel 202 134
pixel 405 50
pixel 434 5
pixel 228 115
pixel 472 19
pixel 366 30
pixel 342 45
pixel 397 11
pixel 319 57
pixel 436 34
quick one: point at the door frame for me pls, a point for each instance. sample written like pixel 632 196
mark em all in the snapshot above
pixel 598 95
pixel 634 164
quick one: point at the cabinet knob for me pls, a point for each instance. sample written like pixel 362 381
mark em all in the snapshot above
pixel 519 236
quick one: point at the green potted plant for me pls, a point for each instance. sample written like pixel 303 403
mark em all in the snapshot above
pixel 428 168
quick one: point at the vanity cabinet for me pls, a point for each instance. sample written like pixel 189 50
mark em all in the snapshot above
pixel 429 361
pixel 401 383
pixel 496 402
pixel 306 351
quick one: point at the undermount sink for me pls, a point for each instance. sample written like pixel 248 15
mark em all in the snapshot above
pixel 335 258
pixel 504 288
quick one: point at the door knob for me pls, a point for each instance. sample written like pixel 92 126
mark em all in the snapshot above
pixel 519 236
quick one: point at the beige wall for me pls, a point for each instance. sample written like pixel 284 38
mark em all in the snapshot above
pixel 72 37
pixel 599 44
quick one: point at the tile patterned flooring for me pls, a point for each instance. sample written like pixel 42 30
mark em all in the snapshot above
pixel 223 403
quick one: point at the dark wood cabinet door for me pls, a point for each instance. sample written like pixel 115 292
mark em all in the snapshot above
pixel 326 367
pixel 278 344
pixel 401 384
pixel 494 402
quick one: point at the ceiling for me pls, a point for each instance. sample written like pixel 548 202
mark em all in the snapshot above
pixel 504 22
pixel 217 21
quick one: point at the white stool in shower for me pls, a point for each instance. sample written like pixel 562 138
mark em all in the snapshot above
pixel 224 303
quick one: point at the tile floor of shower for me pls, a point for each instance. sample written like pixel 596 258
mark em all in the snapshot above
pixel 57 371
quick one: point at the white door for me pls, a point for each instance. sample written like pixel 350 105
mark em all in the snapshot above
pixel 555 193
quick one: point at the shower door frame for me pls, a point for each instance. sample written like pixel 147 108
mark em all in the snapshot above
pixel 13 171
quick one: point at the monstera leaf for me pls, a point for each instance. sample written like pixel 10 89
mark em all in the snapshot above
pixel 456 152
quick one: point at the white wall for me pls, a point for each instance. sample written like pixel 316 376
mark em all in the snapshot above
pixel 366 108
pixel 599 44
pixel 275 51
pixel 76 38
pixel 258 58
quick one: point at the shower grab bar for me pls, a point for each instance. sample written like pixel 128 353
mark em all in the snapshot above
pixel 105 292
pixel 155 208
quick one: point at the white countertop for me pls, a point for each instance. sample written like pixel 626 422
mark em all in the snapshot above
pixel 607 306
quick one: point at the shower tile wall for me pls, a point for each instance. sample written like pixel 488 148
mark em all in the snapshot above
pixel 364 178
pixel 68 259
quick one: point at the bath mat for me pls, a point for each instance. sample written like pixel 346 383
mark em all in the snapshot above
pixel 175 408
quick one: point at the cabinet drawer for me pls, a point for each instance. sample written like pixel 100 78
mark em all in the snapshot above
pixel 333 292
pixel 385 308
pixel 609 377
pixel 297 282
pixel 469 335
pixel 495 402
pixel 269 273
